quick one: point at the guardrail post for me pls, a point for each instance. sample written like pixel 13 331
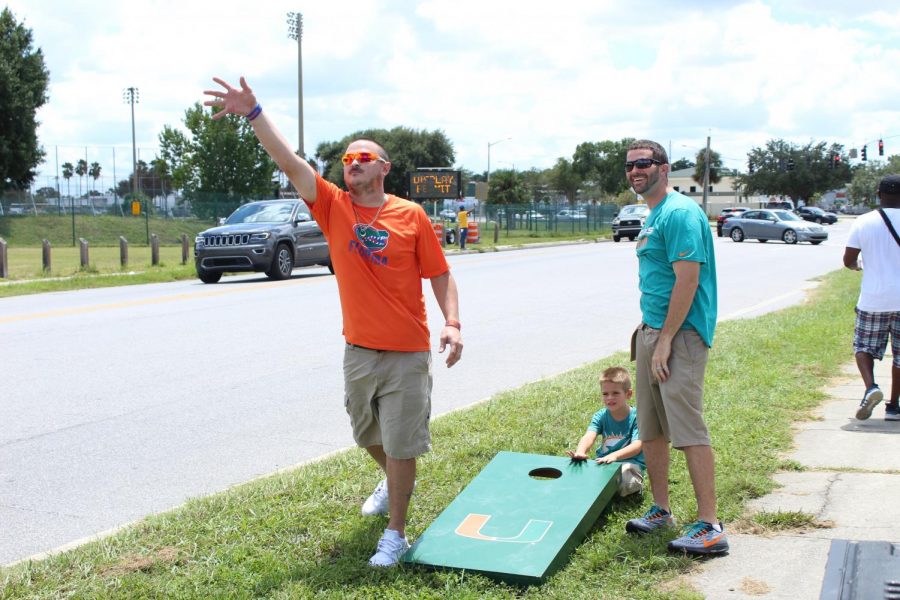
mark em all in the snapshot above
pixel 184 248
pixel 4 264
pixel 83 252
pixel 123 251
pixel 45 255
pixel 154 250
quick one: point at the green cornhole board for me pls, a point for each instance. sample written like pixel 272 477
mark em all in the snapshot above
pixel 520 518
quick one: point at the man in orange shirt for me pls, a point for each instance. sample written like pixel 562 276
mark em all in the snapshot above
pixel 382 246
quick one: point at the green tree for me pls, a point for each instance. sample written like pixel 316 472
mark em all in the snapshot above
pixel 219 165
pixel 81 169
pixel 864 185
pixel 68 169
pixel 780 168
pixel 507 187
pixel 537 182
pixel 45 193
pixel 565 178
pixel 683 163
pixel 600 165
pixel 715 166
pixel 408 149
pixel 94 172
pixel 23 89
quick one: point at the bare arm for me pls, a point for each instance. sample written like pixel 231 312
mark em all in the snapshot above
pixel 444 288
pixel 632 449
pixel 242 102
pixel 584 446
pixel 687 278
pixel 851 258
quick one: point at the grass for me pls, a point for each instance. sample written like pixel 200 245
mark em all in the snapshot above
pixel 299 534
pixel 24 237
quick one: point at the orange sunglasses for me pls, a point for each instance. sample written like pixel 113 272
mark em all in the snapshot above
pixel 360 157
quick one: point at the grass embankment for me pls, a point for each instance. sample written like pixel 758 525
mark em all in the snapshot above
pixel 24 236
pixel 300 534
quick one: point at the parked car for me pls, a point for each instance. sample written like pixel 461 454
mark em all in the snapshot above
pixel 725 214
pixel 816 214
pixel 570 215
pixel 765 225
pixel 271 236
pixel 629 221
pixel 448 214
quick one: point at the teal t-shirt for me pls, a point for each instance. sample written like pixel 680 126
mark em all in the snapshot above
pixel 616 434
pixel 676 229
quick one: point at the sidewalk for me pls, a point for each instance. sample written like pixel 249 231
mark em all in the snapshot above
pixel 850 483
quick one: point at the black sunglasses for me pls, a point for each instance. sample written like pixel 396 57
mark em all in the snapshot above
pixel 641 163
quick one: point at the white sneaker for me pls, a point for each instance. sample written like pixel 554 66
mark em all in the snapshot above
pixel 377 503
pixel 390 548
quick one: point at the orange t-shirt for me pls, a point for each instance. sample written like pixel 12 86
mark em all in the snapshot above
pixel 379 269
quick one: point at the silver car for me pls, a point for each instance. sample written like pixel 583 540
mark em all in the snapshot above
pixel 779 224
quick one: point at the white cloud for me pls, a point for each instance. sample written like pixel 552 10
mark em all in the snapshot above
pixel 548 75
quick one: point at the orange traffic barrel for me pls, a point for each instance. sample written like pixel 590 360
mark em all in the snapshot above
pixel 472 236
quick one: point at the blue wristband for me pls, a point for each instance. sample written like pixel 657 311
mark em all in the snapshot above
pixel 254 113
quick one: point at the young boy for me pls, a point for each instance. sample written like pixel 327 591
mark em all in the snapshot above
pixel 617 426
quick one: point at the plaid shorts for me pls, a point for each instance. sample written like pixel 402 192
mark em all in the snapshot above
pixel 870 335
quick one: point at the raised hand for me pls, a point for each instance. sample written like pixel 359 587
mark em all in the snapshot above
pixel 232 100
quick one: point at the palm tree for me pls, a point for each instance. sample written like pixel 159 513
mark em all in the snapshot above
pixel 81 169
pixel 67 172
pixel 160 169
pixel 94 172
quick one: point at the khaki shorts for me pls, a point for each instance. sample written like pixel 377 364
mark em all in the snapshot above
pixel 673 409
pixel 388 397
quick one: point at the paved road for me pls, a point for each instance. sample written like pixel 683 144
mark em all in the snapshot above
pixel 121 402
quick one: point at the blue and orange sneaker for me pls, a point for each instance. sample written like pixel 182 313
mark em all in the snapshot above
pixel 701 538
pixel 655 518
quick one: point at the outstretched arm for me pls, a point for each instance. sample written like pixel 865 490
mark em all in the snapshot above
pixel 242 102
pixel 584 446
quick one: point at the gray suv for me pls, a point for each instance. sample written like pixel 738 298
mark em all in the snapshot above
pixel 271 236
pixel 629 221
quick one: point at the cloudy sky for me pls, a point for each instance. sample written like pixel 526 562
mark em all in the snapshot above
pixel 548 75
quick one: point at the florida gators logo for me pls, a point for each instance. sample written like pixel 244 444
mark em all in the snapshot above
pixel 374 240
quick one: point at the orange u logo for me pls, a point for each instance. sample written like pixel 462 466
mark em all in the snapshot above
pixel 533 531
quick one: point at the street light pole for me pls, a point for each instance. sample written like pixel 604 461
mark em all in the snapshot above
pixel 131 95
pixel 295 32
pixel 489 164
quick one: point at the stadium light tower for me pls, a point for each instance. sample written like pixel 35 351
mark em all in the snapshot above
pixel 132 96
pixel 295 32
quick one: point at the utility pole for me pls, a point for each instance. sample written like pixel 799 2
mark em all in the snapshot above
pixel 131 96
pixel 295 32
pixel 706 177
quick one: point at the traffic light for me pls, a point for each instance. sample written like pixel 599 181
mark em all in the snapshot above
pixel 835 160
pixel 750 165
pixel 790 164
pixel 880 148
pixel 864 156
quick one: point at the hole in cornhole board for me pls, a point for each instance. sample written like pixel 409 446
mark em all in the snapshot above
pixel 545 473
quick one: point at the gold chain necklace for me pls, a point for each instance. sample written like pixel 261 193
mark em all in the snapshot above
pixel 359 221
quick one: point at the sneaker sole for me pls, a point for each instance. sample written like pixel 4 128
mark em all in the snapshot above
pixel 870 402
pixel 712 550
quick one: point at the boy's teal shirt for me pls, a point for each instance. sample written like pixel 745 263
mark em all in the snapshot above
pixel 676 229
pixel 615 435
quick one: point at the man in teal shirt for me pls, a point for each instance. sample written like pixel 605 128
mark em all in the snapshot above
pixel 677 278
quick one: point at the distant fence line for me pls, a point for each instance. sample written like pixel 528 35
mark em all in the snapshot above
pixel 213 207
